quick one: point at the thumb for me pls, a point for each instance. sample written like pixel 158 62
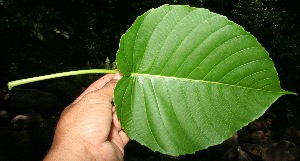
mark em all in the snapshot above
pixel 105 94
pixel 107 91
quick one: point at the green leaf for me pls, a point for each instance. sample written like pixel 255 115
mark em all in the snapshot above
pixel 191 78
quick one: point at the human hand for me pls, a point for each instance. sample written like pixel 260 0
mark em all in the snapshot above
pixel 89 129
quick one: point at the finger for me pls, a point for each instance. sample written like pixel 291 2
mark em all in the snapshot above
pixel 119 140
pixel 107 91
pixel 118 128
pixel 96 85
pixel 99 84
pixel 102 81
pixel 117 125
pixel 116 121
pixel 118 75
pixel 103 95
pixel 124 137
pixel 97 104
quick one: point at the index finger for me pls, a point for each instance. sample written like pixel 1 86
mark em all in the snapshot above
pixel 99 84
pixel 102 81
pixel 96 85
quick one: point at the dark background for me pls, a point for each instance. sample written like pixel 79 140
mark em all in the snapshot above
pixel 41 37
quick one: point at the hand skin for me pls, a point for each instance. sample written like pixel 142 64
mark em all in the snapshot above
pixel 89 129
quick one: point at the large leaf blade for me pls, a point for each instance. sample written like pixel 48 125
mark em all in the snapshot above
pixel 191 79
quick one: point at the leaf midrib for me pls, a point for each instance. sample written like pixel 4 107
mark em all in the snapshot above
pixel 281 92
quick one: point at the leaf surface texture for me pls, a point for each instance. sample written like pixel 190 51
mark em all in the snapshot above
pixel 191 78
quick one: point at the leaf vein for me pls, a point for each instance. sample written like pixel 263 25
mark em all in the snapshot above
pixel 165 40
pixel 163 121
pixel 176 116
pixel 207 54
pixel 229 55
pixel 177 47
pixel 199 81
pixel 251 75
pixel 147 118
pixel 203 134
pixel 188 109
pixel 143 57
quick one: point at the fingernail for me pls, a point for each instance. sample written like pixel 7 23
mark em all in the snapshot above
pixel 117 76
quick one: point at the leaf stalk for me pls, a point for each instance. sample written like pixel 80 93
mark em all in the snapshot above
pixel 57 75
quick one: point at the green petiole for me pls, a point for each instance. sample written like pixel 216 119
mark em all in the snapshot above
pixel 56 75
